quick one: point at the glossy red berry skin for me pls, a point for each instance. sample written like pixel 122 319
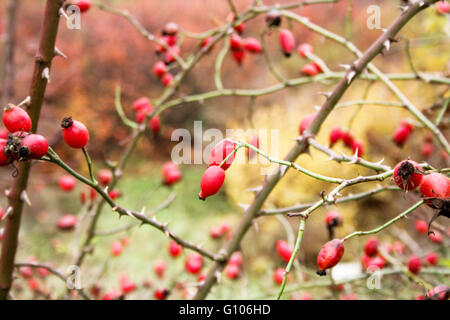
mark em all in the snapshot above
pixel 335 135
pixel 414 264
pixel 238 28
pixel 310 70
pixel 211 182
pixel 4 133
pixel 175 249
pixel 238 56
pixel 236 258
pixel 75 134
pixel 432 258
pixel 141 103
pixel 159 68
pixel 161 293
pixel 371 247
pixel 373 262
pixel 67 183
pixel 3 159
pixel 232 271
pixel 306 121
pixel 171 173
pixel 443 7
pixel 407 175
pixel 402 133
pixel 154 124
pixel 287 42
pixel 333 219
pixel 33 146
pixel 435 186
pixel 206 42
pixel 278 276
pixel 284 250
pixel 16 119
pixel 421 226
pixel 194 263
pixel 236 42
pixel 142 113
pixel 84 5
pixel 167 79
pixel 358 148
pixel 329 255
pixel 116 248
pixel 348 139
pixel 127 287
pixel 305 49
pixel 215 233
pixel 67 222
pixel 220 152
pixel 105 177
pixel 436 237
pixel 252 45
pixel 254 141
pixel 170 55
pixel 114 194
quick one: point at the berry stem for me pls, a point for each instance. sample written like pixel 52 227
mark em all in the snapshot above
pixel 89 163
pixel 387 224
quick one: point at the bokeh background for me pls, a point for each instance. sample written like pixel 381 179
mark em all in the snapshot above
pixel 108 52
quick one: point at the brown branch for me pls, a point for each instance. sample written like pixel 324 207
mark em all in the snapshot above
pixel 301 146
pixel 43 60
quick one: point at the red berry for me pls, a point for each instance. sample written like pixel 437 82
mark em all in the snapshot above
pixel 421 226
pixel 284 250
pixel 212 181
pixel 232 271
pixel 125 241
pixel 348 139
pixel 26 272
pixel 432 258
pixel 43 272
pixel 306 121
pixel 206 42
pixel 435 186
pixel 414 264
pixel 399 247
pixel 105 177
pixel 440 292
pixel 358 148
pixel 142 103
pixel 443 7
pixel 126 285
pixel 240 27
pixel 74 133
pixel 238 56
pixel 159 267
pixel 436 237
pixel 171 174
pixel 159 68
pixel 175 249
pixel 287 42
pixel 155 124
pixel 116 248
pixel 407 175
pixel 305 49
pixel 254 142
pixel 142 113
pixel 373 262
pixel 236 258
pixel 335 135
pixel 170 55
pixel 114 194
pixel 33 285
pixel 225 227
pixel 3 159
pixel 167 79
pixel 67 222
pixel 67 183
pixel 161 293
pixel 236 42
pixel 84 5
pixel 371 246
pixel 194 263
pixel 215 233
pixel 401 135
pixel 112 295
pixel 16 119
pixel 333 219
pixel 278 275
pixel 252 45
pixel 427 149
pixel 310 70
pixel 220 152
pixel 330 254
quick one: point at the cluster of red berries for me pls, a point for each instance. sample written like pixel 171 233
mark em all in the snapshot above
pixel 220 231
pixel 213 178
pixel 143 107
pixel 422 227
pixel 20 145
pixel 371 257
pixel 348 139
pixel 233 267
pixel 285 251
pixel 239 46
pixel 118 245
pixel 169 38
